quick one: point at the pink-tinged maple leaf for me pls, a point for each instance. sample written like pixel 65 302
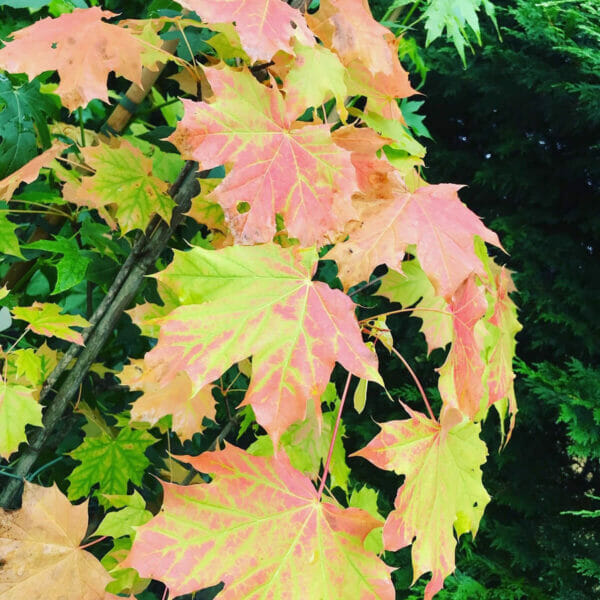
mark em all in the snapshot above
pixel 278 165
pixel 434 219
pixel 264 26
pixel 500 344
pixel 442 490
pixel 29 172
pixel 260 301
pixel 461 381
pixel 259 528
pixel 176 398
pixel 348 28
pixel 82 48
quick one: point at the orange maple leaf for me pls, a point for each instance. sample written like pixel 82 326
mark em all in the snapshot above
pixel 82 48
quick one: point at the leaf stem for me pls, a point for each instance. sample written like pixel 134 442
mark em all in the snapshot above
pixel 370 283
pixel 417 382
pixel 333 437
pixel 92 543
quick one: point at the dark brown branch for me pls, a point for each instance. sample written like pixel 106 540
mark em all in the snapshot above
pixel 146 250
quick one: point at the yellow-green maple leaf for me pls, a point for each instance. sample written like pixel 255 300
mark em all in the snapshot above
pixel 18 408
pixel 45 319
pixel 442 491
pixel 123 178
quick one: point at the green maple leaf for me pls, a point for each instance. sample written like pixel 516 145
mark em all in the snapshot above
pixel 122 522
pixel 71 267
pixel 442 490
pixel 18 408
pixel 123 178
pixel 22 110
pixel 453 16
pixel 412 287
pixel 110 462
pixel 9 243
pixel 307 444
pixel 45 319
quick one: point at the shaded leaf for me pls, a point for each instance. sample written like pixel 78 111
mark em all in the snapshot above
pixel 110 462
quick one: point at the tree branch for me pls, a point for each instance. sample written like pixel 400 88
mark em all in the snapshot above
pixel 146 250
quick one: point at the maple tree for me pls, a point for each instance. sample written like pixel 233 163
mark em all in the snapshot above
pixel 306 157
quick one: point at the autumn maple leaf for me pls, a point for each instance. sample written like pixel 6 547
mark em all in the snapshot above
pixel 278 165
pixel 264 26
pixel 260 528
pixel 30 171
pixel 442 491
pixel 260 301
pixel 82 48
pixel 40 550
pixel 432 218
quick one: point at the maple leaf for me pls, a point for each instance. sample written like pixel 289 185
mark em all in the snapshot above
pixel 82 48
pixel 124 178
pixel 176 398
pixel 278 165
pixel 500 345
pixel 45 319
pixel 122 522
pixel 264 26
pixel 9 242
pixel 442 490
pixel 316 75
pixel 110 462
pixel 434 219
pixel 348 27
pixel 30 171
pixel 18 408
pixel 461 382
pixel 307 444
pixel 259 527
pixel 260 301
pixel 40 553
pixel 412 287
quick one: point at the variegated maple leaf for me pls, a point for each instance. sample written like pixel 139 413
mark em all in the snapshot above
pixel 442 491
pixel 432 218
pixel 260 301
pixel 500 345
pixel 278 165
pixel 123 177
pixel 82 48
pixel 264 26
pixel 46 319
pixel 461 380
pixel 260 528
